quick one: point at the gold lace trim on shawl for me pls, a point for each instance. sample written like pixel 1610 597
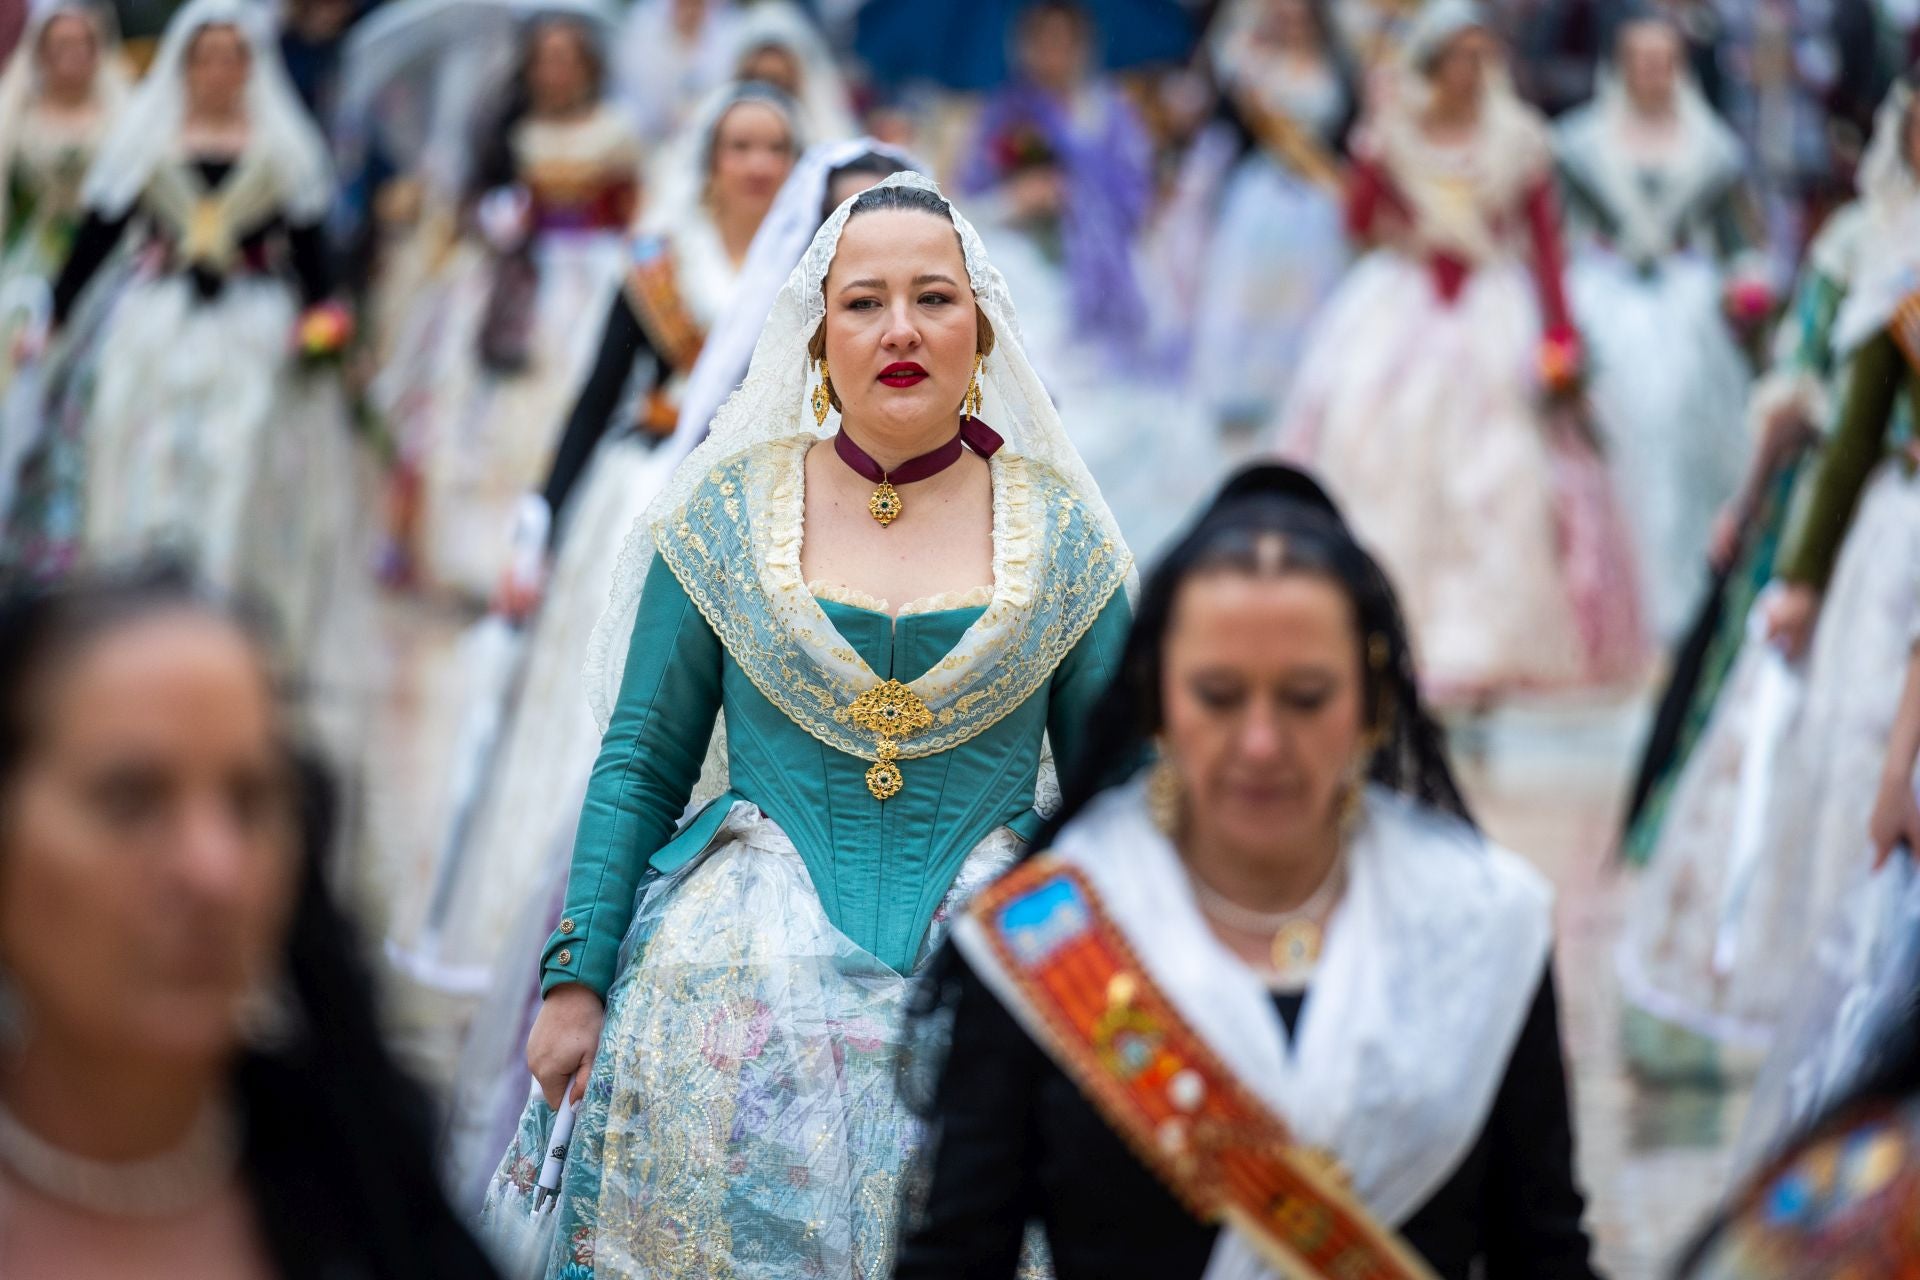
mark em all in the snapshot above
pixel 735 549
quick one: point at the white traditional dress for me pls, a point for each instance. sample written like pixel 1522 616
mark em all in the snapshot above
pixel 1657 243
pixel 488 433
pixel 203 433
pixel 1419 401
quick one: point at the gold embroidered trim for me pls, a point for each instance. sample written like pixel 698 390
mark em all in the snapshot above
pixel 1054 572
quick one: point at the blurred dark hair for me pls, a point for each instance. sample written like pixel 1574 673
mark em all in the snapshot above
pixel 494 164
pixel 43 627
pixel 1032 15
pixel 1257 504
pixel 866 164
pixel 338 1149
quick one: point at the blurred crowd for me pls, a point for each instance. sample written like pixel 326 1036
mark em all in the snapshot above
pixel 1598 319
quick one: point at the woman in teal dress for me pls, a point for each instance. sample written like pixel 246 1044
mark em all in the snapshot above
pixel 892 622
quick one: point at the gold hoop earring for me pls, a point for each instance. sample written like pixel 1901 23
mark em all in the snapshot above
pixel 822 396
pixel 1166 796
pixel 975 397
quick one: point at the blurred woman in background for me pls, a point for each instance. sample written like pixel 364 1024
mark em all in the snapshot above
pixel 1423 394
pixel 1278 245
pixel 551 202
pixel 192 1080
pixel 1662 272
pixel 208 420
pixel 58 96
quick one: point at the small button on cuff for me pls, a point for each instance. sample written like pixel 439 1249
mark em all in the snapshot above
pixel 564 958
pixel 566 926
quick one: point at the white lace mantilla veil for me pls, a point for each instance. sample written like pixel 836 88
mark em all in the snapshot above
pixel 19 84
pixel 148 130
pixel 772 404
pixel 783 236
pixel 445 57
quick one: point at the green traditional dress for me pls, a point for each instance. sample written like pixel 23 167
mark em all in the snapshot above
pixel 741 1118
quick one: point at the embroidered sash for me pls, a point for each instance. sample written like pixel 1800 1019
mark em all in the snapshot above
pixel 1226 1156
pixel 653 291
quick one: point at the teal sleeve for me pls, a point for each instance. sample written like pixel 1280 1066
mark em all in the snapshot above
pixel 1805 342
pixel 648 764
pixel 1082 679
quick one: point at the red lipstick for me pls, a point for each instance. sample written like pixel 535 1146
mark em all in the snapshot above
pixel 903 374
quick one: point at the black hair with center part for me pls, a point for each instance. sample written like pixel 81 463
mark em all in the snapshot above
pixel 869 164
pixel 1261 510
pixel 902 199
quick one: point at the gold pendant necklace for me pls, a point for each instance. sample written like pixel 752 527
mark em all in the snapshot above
pixel 1295 937
pixel 885 505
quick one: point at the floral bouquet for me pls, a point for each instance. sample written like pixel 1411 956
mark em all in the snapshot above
pixel 322 335
pixel 1023 146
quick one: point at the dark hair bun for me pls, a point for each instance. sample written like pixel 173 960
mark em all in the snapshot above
pixel 1276 481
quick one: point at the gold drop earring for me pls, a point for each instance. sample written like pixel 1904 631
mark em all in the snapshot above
pixel 822 396
pixel 971 405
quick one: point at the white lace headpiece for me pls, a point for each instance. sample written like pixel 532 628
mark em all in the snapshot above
pixel 148 130
pixel 772 404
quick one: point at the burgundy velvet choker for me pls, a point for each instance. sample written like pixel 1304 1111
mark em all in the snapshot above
pixel 886 505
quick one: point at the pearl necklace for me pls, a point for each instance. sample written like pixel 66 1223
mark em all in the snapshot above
pixel 1296 934
pixel 162 1186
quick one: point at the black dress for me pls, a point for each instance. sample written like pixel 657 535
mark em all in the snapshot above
pixel 306 255
pixel 1013 1141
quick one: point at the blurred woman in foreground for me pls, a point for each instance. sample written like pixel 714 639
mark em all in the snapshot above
pixel 191 1079
pixel 1277 1007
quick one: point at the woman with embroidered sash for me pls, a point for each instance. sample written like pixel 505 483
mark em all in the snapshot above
pixel 479 414
pixel 685 262
pixel 892 618
pixel 1279 246
pixel 1767 823
pixel 1274 1008
pixel 1423 393
pixel 201 423
pixel 1660 267
pixel 58 96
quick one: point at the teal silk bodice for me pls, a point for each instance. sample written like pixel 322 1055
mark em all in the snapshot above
pixel 880 868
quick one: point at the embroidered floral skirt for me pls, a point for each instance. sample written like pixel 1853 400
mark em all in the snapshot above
pixel 742 1118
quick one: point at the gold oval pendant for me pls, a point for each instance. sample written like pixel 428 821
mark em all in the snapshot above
pixel 885 505
pixel 1296 946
